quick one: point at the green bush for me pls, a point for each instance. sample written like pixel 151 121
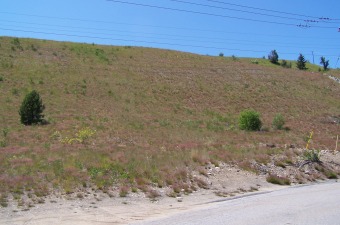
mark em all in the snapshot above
pixel 31 109
pixel 278 122
pixel 312 155
pixel 250 120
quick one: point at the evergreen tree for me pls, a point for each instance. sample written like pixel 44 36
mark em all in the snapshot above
pixel 273 57
pixel 301 62
pixel 324 63
pixel 31 109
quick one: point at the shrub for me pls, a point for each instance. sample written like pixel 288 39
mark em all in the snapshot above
pixel 15 92
pixel 330 174
pixel 312 155
pixel 221 54
pixel 17 44
pixel 123 191
pixel 274 179
pixel 1 79
pixel 285 64
pixel 3 143
pixel 85 134
pixel 278 122
pixel 31 109
pixel 201 183
pixel 250 120
pixel 3 140
pixel 153 194
pixel 81 136
pixel 273 57
pixel 280 164
pixel 3 200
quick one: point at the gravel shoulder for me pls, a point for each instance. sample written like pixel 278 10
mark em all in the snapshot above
pixel 134 207
pixel 225 182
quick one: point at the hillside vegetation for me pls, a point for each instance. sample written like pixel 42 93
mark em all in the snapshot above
pixel 150 116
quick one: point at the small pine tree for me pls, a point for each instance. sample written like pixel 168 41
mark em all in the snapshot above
pixel 324 63
pixel 31 109
pixel 301 62
pixel 273 57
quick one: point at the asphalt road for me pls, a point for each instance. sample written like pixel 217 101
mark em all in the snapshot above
pixel 314 204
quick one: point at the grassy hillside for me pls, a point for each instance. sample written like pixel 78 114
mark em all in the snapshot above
pixel 157 114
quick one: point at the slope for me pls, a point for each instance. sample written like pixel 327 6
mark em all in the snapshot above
pixel 157 114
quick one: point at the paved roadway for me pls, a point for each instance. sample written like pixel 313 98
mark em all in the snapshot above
pixel 314 204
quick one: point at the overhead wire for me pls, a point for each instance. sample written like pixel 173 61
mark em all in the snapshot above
pixel 163 27
pixel 117 39
pixel 141 25
pixel 216 15
pixel 142 41
pixel 244 11
pixel 269 10
pixel 192 39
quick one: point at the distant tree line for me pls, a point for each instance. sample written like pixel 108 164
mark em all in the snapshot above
pixel 273 57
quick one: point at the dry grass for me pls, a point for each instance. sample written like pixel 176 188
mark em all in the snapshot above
pixel 201 183
pixel 272 178
pixel 123 191
pixel 3 200
pixel 157 114
pixel 329 173
pixel 153 194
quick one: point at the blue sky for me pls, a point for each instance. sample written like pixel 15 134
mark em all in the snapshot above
pixel 241 28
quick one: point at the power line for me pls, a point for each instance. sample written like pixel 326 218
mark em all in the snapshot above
pixel 140 25
pixel 149 41
pixel 268 10
pixel 213 40
pixel 145 42
pixel 212 14
pixel 127 40
pixel 244 11
pixel 55 17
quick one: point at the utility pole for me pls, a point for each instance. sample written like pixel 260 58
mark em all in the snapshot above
pixel 313 56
